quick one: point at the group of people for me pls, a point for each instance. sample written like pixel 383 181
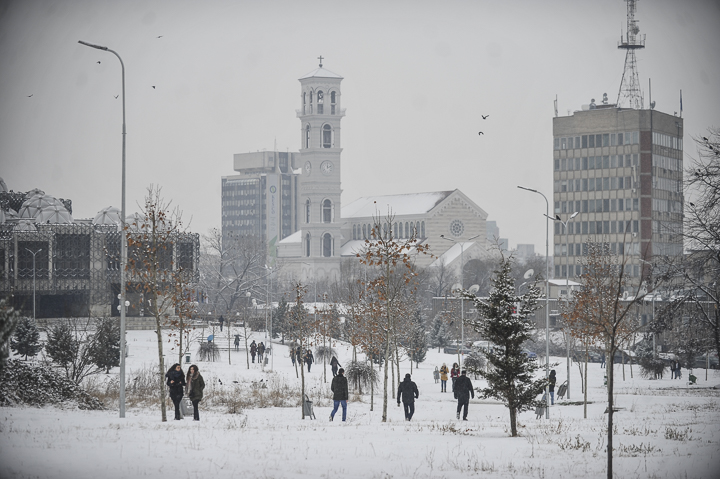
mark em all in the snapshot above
pixel 298 356
pixel 256 350
pixel 180 385
pixel 462 387
pixel 675 369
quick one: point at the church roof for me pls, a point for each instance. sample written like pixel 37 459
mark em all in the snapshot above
pixel 321 73
pixel 296 237
pixel 408 204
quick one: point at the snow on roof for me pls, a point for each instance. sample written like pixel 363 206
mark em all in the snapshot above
pixel 321 73
pixel 453 253
pixel 561 282
pixel 352 247
pixel 408 204
pixel 296 237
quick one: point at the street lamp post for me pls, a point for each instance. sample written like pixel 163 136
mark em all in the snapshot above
pixel 461 355
pixel 315 315
pixel 567 287
pixel 269 303
pixel 123 242
pixel 33 253
pixel 547 297
pixel 653 309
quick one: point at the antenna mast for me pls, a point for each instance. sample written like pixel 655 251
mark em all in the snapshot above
pixel 630 83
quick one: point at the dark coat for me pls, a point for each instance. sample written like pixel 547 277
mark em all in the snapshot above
pixel 309 358
pixel 198 385
pixel 339 387
pixel 408 391
pixel 464 387
pixel 334 363
pixel 176 383
pixel 253 348
pixel 551 382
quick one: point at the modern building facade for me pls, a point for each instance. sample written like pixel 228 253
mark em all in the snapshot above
pixel 261 200
pixel 621 170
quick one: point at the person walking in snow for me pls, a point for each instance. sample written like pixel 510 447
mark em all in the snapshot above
pixel 454 373
pixel 443 378
pixel 292 355
pixel 602 360
pixel 309 359
pixel 194 389
pixel 463 391
pixel 175 380
pixel 299 355
pixel 551 386
pixel 237 342
pixel 408 392
pixel 334 364
pixel 253 350
pixel 436 375
pixel 261 351
pixel 222 321
pixel 339 387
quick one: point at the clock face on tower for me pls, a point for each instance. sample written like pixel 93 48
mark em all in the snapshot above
pixel 308 167
pixel 326 167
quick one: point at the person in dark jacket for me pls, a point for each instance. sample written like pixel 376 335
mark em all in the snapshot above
pixel 261 351
pixel 551 386
pixel 309 359
pixel 237 342
pixel 339 387
pixel 292 355
pixel 175 380
pixel 334 364
pixel 299 355
pixel 194 389
pixel 222 321
pixel 253 350
pixel 463 391
pixel 408 392
pixel 454 374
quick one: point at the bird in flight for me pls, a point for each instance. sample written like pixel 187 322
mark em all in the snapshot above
pixel 98 62
pixel 484 117
pixel 480 133
pixel 30 95
pixel 160 36
pixel 153 87
pixel 116 96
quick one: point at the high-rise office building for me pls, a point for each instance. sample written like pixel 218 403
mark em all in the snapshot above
pixel 621 170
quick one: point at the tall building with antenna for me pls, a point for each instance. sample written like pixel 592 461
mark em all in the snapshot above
pixel 620 167
pixel 630 94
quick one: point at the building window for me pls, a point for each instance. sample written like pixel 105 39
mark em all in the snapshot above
pixel 327 211
pixel 320 101
pixel 307 245
pixel 327 136
pixel 307 136
pixel 332 102
pixel 311 108
pixel 307 211
pixel 364 233
pixel 304 102
pixel 407 230
pixel 327 245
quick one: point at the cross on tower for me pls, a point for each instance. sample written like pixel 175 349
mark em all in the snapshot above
pixel 321 59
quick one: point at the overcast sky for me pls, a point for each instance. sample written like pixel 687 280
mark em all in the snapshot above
pixel 418 75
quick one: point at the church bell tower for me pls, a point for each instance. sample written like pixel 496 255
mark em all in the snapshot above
pixel 319 190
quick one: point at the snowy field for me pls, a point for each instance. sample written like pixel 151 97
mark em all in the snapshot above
pixel 665 429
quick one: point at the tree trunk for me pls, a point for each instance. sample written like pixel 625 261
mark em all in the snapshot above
pixel 385 378
pixel 610 371
pixel 302 385
pixel 372 388
pixel 397 361
pixel 247 350
pixel 324 360
pixel 513 421
pixel 392 374
pixel 587 354
pixel 161 365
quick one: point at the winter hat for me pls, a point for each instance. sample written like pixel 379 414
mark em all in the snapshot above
pixel 407 376
pixel 341 371
pixel 463 372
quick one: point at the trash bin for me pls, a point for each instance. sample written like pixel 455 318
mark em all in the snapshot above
pixel 308 408
pixel 187 357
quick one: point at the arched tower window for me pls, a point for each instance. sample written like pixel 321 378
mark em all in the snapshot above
pixel 307 136
pixel 327 211
pixel 327 245
pixel 354 232
pixel 327 136
pixel 364 234
pixel 320 101
pixel 395 231
pixel 332 102
pixel 307 211
pixel 422 234
pixel 311 109
pixel 307 245
pixel 407 230
pixel 303 102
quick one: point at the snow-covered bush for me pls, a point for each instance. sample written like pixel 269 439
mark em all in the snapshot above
pixel 25 384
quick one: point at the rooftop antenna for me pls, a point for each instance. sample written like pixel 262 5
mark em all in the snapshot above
pixel 556 113
pixel 630 93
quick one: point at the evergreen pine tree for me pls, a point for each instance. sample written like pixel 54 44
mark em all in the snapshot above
pixel 418 339
pixel 8 322
pixel 279 319
pixel 62 347
pixel 26 340
pixel 510 380
pixel 105 352
pixel 439 333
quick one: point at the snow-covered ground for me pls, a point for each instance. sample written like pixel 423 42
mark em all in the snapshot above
pixel 665 429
